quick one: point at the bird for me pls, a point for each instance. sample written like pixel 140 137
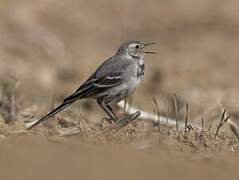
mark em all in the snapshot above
pixel 114 80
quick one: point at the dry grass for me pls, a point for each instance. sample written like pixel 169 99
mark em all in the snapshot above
pixel 204 139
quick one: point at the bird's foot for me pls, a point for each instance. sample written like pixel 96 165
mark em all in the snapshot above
pixel 121 123
pixel 110 120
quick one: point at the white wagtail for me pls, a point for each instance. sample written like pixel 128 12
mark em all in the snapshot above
pixel 113 81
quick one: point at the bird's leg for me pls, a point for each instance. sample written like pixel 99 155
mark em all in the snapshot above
pixel 108 110
pixel 118 123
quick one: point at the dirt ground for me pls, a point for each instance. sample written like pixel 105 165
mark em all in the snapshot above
pixel 48 47
pixel 32 157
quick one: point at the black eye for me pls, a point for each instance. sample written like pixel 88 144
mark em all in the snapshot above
pixel 137 46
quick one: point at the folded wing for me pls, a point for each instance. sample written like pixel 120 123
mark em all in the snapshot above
pixel 95 86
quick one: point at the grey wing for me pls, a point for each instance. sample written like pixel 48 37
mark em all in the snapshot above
pixel 95 86
pixel 108 75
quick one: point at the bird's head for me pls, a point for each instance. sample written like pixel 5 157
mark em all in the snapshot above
pixel 135 49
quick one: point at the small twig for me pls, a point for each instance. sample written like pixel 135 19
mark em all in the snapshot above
pixel 226 119
pixel 167 117
pixel 222 118
pixel 176 110
pixel 13 106
pixel 222 122
pixel 186 120
pixel 159 125
pixel 125 102
pixel 202 120
pixel 151 117
pixel 155 122
pixel 157 111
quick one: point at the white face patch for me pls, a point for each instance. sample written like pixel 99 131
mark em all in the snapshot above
pixel 135 50
pixel 133 45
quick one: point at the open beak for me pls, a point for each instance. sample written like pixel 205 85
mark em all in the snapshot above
pixel 147 44
pixel 149 52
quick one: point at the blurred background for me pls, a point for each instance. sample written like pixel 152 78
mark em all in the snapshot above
pixel 48 47
pixel 51 46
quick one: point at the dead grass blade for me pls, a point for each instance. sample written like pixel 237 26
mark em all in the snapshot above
pixel 176 111
pixel 157 111
pixel 222 122
pixel 186 120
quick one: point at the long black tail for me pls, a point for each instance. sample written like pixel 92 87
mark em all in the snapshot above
pixel 50 114
pixel 86 90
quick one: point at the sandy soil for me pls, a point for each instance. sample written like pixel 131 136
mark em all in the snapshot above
pixel 33 157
